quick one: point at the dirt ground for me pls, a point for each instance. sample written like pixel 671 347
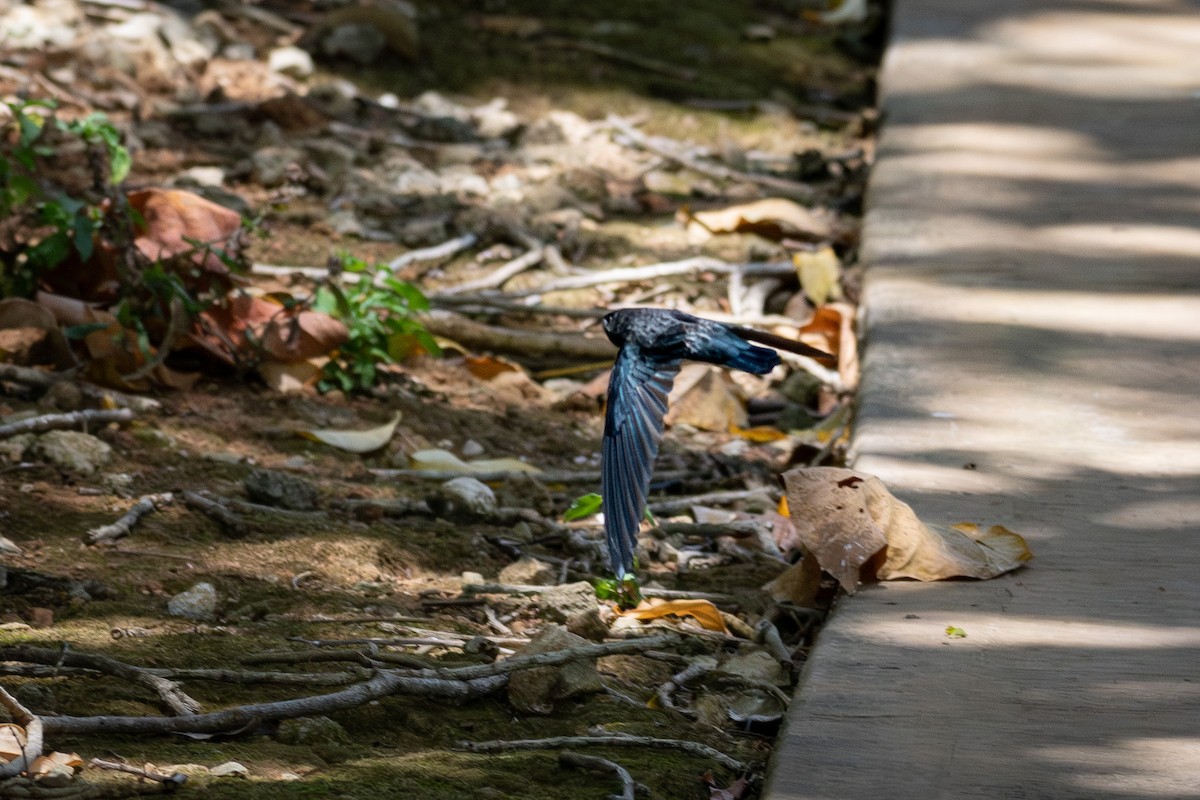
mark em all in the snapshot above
pixel 350 569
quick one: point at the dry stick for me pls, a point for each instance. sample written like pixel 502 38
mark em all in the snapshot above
pixel 493 304
pixel 768 636
pixel 622 57
pixel 678 504
pixel 50 422
pixel 123 526
pixel 459 683
pixel 628 788
pixel 443 250
pixel 499 276
pixel 532 344
pixel 648 272
pixel 783 186
pixel 168 781
pixel 169 691
pixel 33 735
pixel 610 740
pixel 228 520
pixel 699 667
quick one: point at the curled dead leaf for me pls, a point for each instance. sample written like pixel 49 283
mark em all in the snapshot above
pixel 176 222
pixel 858 530
pixel 235 330
pixel 703 611
pixel 774 218
pixel 355 441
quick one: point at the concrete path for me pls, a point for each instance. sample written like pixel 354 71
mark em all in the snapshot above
pixel 1033 304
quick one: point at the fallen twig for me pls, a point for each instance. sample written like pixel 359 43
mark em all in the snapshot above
pixel 171 781
pixel 580 761
pixel 665 269
pixel 678 504
pixel 657 146
pixel 228 520
pixel 536 345
pixel 443 250
pixel 122 527
pixel 51 422
pixel 768 636
pixel 167 690
pixel 499 276
pixel 607 740
pixel 698 668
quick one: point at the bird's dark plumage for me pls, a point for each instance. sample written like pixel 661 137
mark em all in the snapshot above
pixel 653 343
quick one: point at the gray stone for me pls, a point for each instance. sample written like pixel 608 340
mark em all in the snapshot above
pixel 291 61
pixel 574 605
pixel 14 448
pixel 280 489
pixel 535 691
pixel 462 496
pixel 271 166
pixel 197 603
pixel 74 451
pixel 472 449
pixel 528 570
pixel 360 42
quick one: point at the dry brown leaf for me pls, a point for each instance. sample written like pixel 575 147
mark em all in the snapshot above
pixel 31 335
pixel 487 367
pixel 706 398
pixel 858 531
pixel 798 585
pixel 245 325
pixel 773 218
pixel 12 740
pixel 832 330
pixel 703 611
pixel 175 220
pixel 293 376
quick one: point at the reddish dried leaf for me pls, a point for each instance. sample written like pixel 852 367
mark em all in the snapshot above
pixel 246 325
pixel 174 219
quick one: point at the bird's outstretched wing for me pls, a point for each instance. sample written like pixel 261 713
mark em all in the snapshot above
pixel 633 425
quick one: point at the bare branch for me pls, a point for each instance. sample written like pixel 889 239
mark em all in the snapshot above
pixel 580 761
pixel 607 740
pixel 73 419
pixel 110 533
pixel 33 735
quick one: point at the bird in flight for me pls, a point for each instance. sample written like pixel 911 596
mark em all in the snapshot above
pixel 653 343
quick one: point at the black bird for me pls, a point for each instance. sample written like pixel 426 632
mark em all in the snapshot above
pixel 653 342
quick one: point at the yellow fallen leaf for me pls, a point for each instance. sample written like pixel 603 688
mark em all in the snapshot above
pixel 819 273
pixel 487 367
pixel 858 531
pixel 759 433
pixel 703 611
pixel 355 441
pixel 436 460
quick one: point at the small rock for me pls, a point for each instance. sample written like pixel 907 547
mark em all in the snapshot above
pixel 463 495
pixel 758 32
pixel 291 61
pixel 310 730
pixel 493 120
pixel 530 571
pixel 471 577
pixel 198 603
pixel 201 176
pixel 272 166
pixel 74 451
pixel 62 396
pixel 756 664
pixel 574 605
pixel 535 690
pixel 229 768
pixel 279 489
pixel 362 43
pixel 472 449
pixel 14 449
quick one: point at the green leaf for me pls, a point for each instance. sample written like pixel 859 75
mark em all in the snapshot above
pixel 83 228
pixel 80 331
pixel 581 507
pixel 955 633
pixel 119 164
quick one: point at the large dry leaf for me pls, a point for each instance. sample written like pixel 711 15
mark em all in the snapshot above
pixel 437 460
pixel 245 325
pixel 355 441
pixel 774 218
pixel 858 531
pixel 177 221
pixel 703 611
pixel 706 398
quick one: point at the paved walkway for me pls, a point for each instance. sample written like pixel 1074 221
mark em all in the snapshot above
pixel 1033 304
